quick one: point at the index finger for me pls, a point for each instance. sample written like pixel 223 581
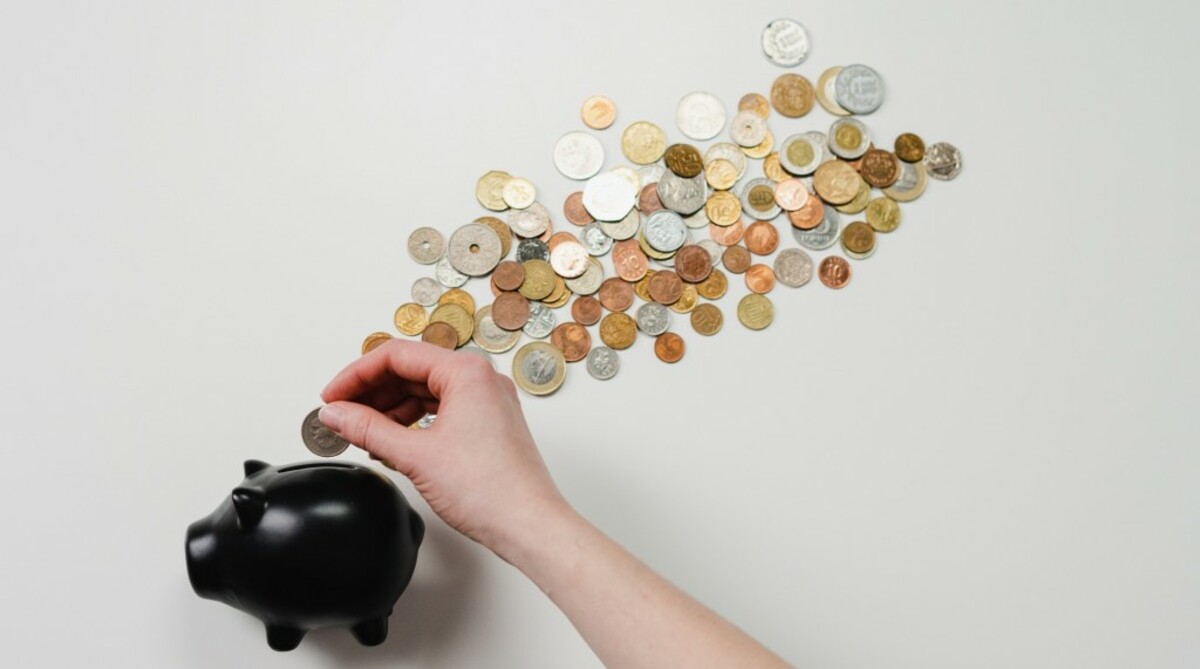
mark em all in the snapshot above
pixel 398 359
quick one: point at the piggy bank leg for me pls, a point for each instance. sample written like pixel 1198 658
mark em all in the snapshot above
pixel 371 632
pixel 282 638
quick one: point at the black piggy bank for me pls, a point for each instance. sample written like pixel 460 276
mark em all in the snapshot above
pixel 308 545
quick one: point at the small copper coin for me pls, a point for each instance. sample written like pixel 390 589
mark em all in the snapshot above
pixel 441 334
pixel 648 201
pixel 572 339
pixel 598 112
pixel 880 168
pixel 834 271
pixel 668 346
pixel 910 148
pixel 684 160
pixel 762 238
pixel 574 211
pixel 510 311
pixel 692 263
pixel 586 310
pixel 727 235
pixel 809 216
pixel 792 95
pixel 508 275
pixel 629 260
pixel 616 294
pixel 759 279
pixel 736 259
pixel 665 287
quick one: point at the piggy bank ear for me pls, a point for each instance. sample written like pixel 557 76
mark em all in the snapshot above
pixel 252 467
pixel 250 503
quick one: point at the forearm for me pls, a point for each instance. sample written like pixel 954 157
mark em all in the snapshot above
pixel 628 614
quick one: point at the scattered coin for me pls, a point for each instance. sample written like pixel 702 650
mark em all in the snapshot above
pixel 618 331
pixel 491 337
pixel 374 341
pixel 643 142
pixel 603 363
pixel 518 193
pixel 909 147
pixel 736 259
pixel 319 439
pixel 609 196
pixel 441 334
pixel 489 190
pixel 425 291
pixel 792 95
pixel 911 183
pixel 859 89
pixel 943 161
pixel 653 319
pixel 760 278
pixel 793 267
pixel 598 112
pixel 541 321
pixel 826 92
pixel 756 103
pixel 411 319
pixel 578 155
pixel 707 319
pixel 714 287
pixel 538 368
pixel 858 240
pixel 785 42
pixel 880 168
pixel 669 347
pixel 510 311
pixel 755 311
pixel 474 249
pixel 834 272
pixel 586 310
pixel 700 115
pixel 426 245
pixel 883 214
pixel 572 339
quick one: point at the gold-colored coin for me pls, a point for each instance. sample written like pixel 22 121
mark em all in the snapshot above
pixel 883 214
pixel 456 317
pixel 598 112
pixel 910 148
pixel 707 319
pixel 836 182
pixel 489 190
pixel 643 143
pixel 773 169
pixel 847 138
pixel 539 368
pixel 861 198
pixel 642 287
pixel 753 102
pixel 374 341
pixel 411 319
pixel 824 88
pixel 720 174
pixel 723 208
pixel 558 302
pixel 792 95
pixel 800 153
pixel 714 287
pixel 557 292
pixel 539 279
pixel 618 331
pixel 460 297
pixel 502 231
pixel 687 299
pixel 684 160
pixel 858 238
pixel 755 311
pixel 761 149
pixel 650 251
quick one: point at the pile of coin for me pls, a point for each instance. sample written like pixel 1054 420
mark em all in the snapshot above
pixel 674 224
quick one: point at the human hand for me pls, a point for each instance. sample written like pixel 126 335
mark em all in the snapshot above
pixel 477 466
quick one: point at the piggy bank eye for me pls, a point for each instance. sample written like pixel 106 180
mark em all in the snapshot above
pixel 249 503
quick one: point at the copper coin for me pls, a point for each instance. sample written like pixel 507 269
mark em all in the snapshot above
pixel 759 279
pixel 762 238
pixel 736 259
pixel 574 210
pixel 572 339
pixel 495 289
pixel 727 235
pixel 858 162
pixel 629 260
pixel 684 160
pixel 586 310
pixel 692 263
pixel 560 237
pixel 668 346
pixel 648 201
pixel 858 237
pixel 910 148
pixel 442 334
pixel 809 216
pixel 665 287
pixel 834 271
pixel 792 95
pixel 880 168
pixel 510 311
pixel 508 275
pixel 616 294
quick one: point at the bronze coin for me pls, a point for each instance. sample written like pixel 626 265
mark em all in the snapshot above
pixel 618 331
pixel 442 334
pixel 586 310
pixel 858 237
pixel 572 339
pixel 629 260
pixel 714 286
pixel 762 238
pixel 508 275
pixel 707 319
pixel 560 237
pixel 668 346
pixel 574 211
pixel 495 289
pixel 910 148
pixel 736 259
pixel 502 231
pixel 665 287
pixel 692 263
pixel 880 168
pixel 648 201
pixel 727 235
pixel 834 271
pixel 759 279
pixel 684 160
pixel 616 294
pixel 792 95
pixel 809 216
pixel 510 311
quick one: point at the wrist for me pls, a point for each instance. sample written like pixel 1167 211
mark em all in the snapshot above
pixel 537 528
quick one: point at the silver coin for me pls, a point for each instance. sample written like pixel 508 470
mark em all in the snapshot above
pixel 540 367
pixel 531 221
pixel 629 173
pixel 785 42
pixel 588 282
pixel 541 321
pixel 697 221
pixel 609 196
pixel 426 291
pixel 788 154
pixel 824 235
pixel 491 337
pixel 426 245
pixel 700 115
pixel 569 259
pixel 532 249
pixel 653 318
pixel 727 151
pixel 474 249
pixel 793 267
pixel 319 439
pixel 848 152
pixel 665 231
pixel 447 275
pixel 714 250
pixel 426 421
pixel 755 204
pixel 943 161
pixel 603 363
pixel 578 155
pixel 910 185
pixel 625 228
pixel 683 196
pixel 594 239
pixel 650 174
pixel 748 129
pixel 858 89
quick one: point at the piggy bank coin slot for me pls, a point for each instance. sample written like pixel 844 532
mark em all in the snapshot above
pixel 315 465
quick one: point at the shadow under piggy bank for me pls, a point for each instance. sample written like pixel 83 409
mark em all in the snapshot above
pixel 308 545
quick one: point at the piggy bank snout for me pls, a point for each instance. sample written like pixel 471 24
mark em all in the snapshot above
pixel 202 563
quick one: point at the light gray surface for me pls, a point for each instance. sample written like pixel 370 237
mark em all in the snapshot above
pixel 982 453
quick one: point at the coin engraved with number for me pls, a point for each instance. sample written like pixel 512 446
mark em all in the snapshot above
pixel 319 439
pixel 785 42
pixel 859 89
pixel 824 235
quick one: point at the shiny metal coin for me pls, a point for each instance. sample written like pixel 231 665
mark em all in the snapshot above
pixel 569 259
pixel 801 154
pixel 491 337
pixel 653 318
pixel 609 196
pixel 683 196
pixel 650 174
pixel 910 185
pixel 603 363
pixel 858 89
pixel 447 275
pixel 943 161
pixel 748 129
pixel 578 155
pixel 714 249
pixel 319 439
pixel 594 239
pixel 785 42
pixel 426 245
pixel 541 321
pixel 849 139
pixel 758 199
pixel 793 268
pixel 474 249
pixel 665 231
pixel 532 249
pixel 824 235
pixel 529 222
pixel 426 291
pixel 588 282
pixel 727 151
pixel 700 115
pixel 539 368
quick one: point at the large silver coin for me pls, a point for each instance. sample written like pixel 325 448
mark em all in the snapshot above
pixel 541 321
pixel 539 368
pixel 578 155
pixel 625 228
pixel 609 196
pixel 531 221
pixel 683 196
pixel 653 318
pixel 793 267
pixel 785 42
pixel 665 231
pixel 943 161
pixel 748 129
pixel 447 275
pixel 474 249
pixel 603 363
pixel 700 115
pixel 426 245
pixel 426 291
pixel 859 89
pixel 319 439
pixel 824 235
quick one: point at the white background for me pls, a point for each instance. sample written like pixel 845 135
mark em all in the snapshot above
pixel 982 453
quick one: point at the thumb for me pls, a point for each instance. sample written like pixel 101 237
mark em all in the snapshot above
pixel 374 432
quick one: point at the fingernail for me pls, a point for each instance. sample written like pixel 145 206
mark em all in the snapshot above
pixel 331 417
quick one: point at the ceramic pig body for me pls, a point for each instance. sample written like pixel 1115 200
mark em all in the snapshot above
pixel 308 545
